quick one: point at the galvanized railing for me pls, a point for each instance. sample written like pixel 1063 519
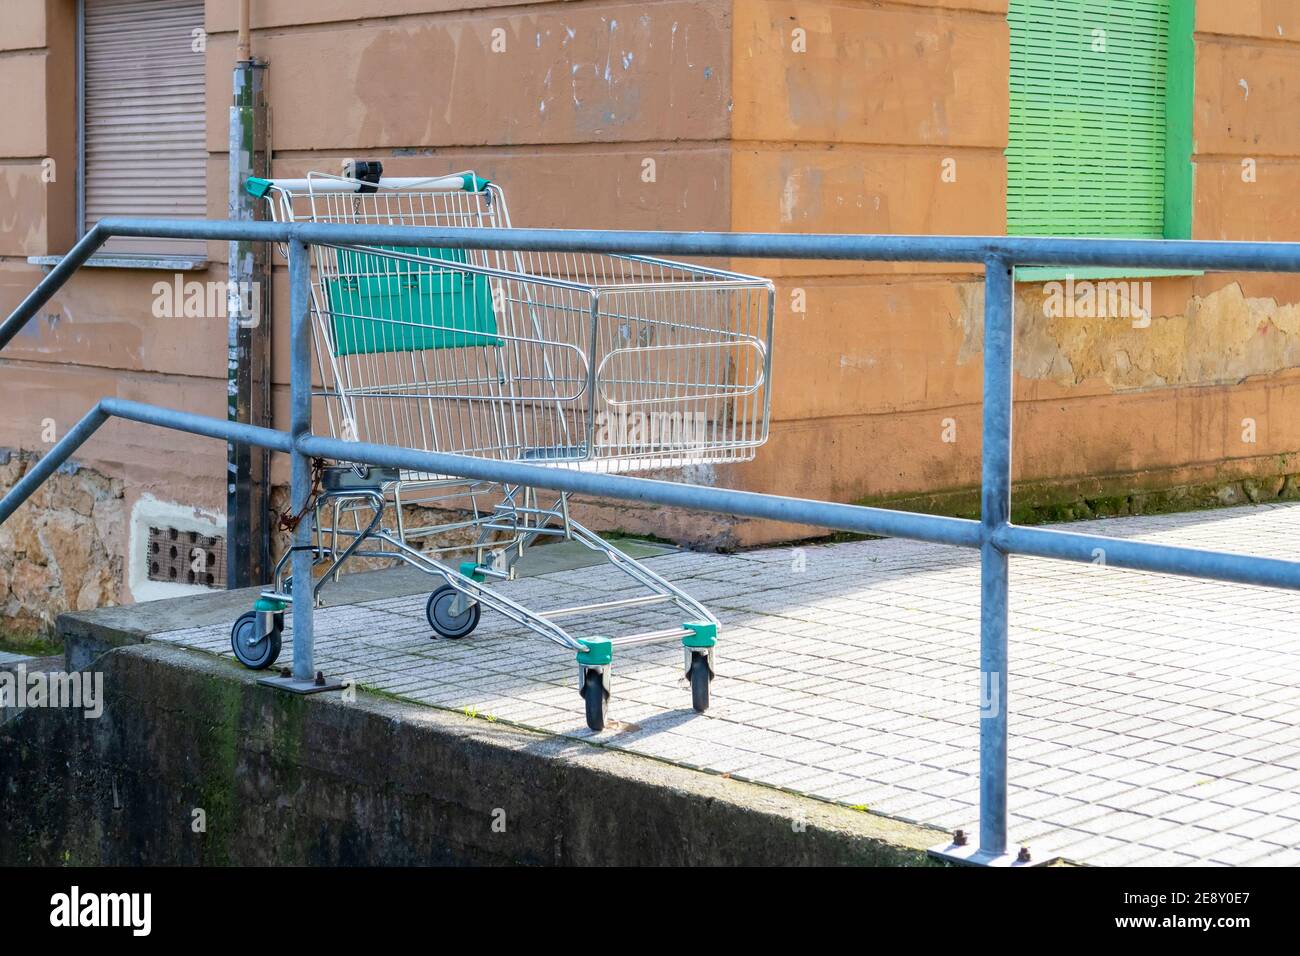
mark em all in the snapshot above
pixel 993 535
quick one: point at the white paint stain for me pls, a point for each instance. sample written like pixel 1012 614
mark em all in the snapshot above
pixel 456 32
pixel 789 198
pixel 1245 86
pixel 628 57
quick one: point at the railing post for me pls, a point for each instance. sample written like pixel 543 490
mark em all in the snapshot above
pixel 995 511
pixel 304 666
pixel 995 516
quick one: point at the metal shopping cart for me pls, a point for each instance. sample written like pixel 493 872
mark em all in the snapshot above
pixel 599 362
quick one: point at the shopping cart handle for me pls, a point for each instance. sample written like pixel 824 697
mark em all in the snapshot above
pixel 256 186
pixel 467 182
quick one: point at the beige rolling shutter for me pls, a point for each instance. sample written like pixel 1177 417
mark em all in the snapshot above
pixel 145 153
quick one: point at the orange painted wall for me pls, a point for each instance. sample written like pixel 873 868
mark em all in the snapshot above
pixel 851 135
pixel 855 133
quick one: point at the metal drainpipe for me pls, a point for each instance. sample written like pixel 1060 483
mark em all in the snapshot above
pixel 248 469
pixel 244 51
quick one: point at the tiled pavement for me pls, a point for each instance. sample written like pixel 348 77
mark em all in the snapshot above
pixel 1154 720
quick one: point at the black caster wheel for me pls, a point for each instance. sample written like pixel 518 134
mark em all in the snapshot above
pixel 597 698
pixel 254 652
pixel 699 677
pixel 443 621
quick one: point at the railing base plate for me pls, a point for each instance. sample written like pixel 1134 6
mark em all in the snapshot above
pixel 968 855
pixel 302 687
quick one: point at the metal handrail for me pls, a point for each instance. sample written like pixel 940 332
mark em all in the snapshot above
pixel 994 534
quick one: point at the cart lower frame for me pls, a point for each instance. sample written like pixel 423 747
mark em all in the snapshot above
pixel 494 559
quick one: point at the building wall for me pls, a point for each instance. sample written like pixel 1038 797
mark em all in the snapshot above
pixel 893 119
pixel 855 133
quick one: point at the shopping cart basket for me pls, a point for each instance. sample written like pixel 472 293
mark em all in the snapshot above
pixel 599 362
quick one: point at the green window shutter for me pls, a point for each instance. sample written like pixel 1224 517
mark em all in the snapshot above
pixel 1088 123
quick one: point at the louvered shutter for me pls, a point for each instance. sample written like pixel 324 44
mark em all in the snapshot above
pixel 1086 145
pixel 145 153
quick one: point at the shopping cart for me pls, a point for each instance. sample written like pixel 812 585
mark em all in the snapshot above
pixel 597 362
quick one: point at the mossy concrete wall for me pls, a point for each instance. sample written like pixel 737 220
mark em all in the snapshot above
pixel 278 779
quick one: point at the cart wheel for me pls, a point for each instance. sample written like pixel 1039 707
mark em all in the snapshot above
pixel 699 676
pixel 254 653
pixel 593 692
pixel 443 621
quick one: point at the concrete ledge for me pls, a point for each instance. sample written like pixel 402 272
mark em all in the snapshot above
pixel 88 635
pixel 275 779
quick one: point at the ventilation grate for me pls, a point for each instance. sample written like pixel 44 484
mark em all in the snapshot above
pixel 187 557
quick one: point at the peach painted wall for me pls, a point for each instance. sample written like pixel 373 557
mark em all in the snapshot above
pixel 851 135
